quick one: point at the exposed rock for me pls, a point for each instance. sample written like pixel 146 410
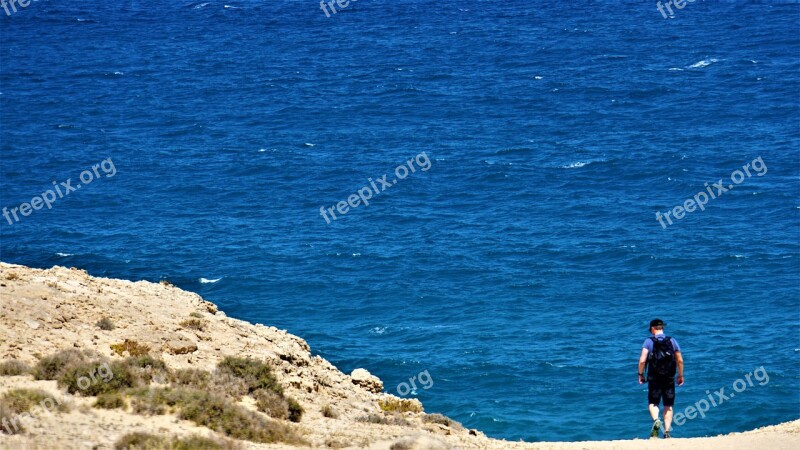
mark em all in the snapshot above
pixel 180 346
pixel 362 377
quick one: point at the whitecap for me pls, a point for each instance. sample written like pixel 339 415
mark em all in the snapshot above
pixel 703 63
pixel 308 144
pixel 206 280
pixel 231 7
pixel 201 5
pixel 119 73
pixel 64 255
pixel 575 165
pixel 538 77
pixel 675 68
pixel 378 330
pixel 356 254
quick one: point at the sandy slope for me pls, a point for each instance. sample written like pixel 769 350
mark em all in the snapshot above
pixel 43 311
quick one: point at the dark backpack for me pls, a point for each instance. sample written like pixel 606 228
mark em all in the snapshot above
pixel 662 362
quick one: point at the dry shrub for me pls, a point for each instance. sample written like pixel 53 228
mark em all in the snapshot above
pixel 111 400
pixel 105 324
pixel 196 315
pixel 7 416
pixel 12 367
pixel 54 366
pixel 147 368
pixel 217 413
pixel 384 419
pixel 141 441
pixel 12 276
pixel 145 441
pixel 442 420
pixel 272 404
pixel 20 401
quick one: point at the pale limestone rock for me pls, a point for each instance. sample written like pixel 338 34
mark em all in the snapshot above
pixel 362 377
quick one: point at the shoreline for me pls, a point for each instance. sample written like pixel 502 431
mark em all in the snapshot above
pixel 43 311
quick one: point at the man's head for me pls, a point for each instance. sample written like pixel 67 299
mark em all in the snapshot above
pixel 657 326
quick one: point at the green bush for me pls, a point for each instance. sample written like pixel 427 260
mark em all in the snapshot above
pixel 95 378
pixel 12 367
pixel 295 410
pixel 256 374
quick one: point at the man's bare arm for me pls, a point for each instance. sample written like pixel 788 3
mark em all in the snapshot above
pixel 642 362
pixel 679 360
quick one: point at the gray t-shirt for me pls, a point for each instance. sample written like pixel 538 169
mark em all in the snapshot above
pixel 648 343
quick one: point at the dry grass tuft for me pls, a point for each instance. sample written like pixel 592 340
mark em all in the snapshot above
pixel 194 324
pixel 399 405
pixel 329 412
pixel 132 347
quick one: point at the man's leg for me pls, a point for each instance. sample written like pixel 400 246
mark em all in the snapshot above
pixel 654 393
pixel 667 419
pixel 669 400
pixel 653 411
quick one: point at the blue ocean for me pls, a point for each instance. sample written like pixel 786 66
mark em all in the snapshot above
pixel 521 260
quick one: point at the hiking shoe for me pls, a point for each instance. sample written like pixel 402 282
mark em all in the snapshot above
pixel 666 435
pixel 655 429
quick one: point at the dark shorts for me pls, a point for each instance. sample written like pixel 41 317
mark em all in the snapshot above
pixel 659 390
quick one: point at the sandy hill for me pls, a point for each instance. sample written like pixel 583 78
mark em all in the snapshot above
pixel 90 362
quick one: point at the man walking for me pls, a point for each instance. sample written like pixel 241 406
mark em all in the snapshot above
pixel 662 354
